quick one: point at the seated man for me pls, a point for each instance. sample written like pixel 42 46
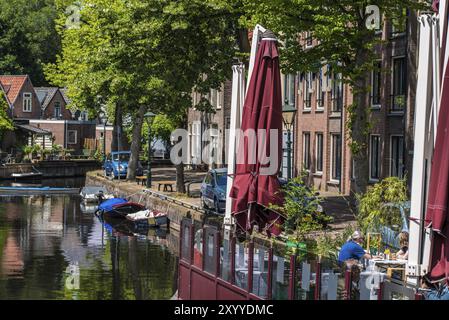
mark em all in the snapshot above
pixel 352 252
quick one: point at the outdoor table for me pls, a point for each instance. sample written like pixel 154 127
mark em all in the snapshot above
pixel 388 266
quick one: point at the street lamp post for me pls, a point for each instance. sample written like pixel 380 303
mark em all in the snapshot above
pixel 149 116
pixel 104 119
pixel 288 115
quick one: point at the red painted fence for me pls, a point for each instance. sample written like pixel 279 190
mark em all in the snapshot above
pixel 213 268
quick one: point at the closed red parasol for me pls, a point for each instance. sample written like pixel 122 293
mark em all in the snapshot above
pixel 256 183
pixel 437 205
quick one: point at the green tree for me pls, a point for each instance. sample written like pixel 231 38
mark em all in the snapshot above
pixel 28 37
pixel 5 120
pixel 379 206
pixel 134 56
pixel 344 43
pixel 161 128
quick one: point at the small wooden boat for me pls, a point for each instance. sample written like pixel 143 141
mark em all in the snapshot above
pixel 35 174
pixel 94 194
pixel 27 175
pixel 18 191
pixel 149 217
pixel 119 207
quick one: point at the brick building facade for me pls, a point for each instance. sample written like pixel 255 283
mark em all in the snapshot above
pixel 207 129
pixel 41 116
pixel 321 141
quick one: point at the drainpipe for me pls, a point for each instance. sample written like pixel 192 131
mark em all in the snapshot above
pixel 65 134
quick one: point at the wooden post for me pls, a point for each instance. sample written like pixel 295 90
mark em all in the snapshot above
pixel 217 253
pixel 192 243
pixel 380 291
pixel 233 260
pixel 270 274
pixel 292 278
pixel 318 281
pixel 204 246
pixel 250 265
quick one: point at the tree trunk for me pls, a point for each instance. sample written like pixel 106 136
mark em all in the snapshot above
pixel 180 187
pixel 136 143
pixel 359 132
pixel 118 122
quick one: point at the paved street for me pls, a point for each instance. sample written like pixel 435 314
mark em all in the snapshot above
pixel 335 205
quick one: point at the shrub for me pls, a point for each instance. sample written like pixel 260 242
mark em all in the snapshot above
pixel 373 210
pixel 300 209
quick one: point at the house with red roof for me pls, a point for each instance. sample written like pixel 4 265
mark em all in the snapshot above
pixel 21 96
pixel 41 116
pixel 53 104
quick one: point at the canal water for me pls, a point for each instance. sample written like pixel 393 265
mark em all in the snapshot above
pixel 53 247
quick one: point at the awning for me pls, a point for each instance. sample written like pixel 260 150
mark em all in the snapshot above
pixel 33 129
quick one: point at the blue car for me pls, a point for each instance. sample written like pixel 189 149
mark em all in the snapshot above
pixel 213 190
pixel 116 165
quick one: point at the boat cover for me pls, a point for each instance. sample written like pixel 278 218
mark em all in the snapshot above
pixel 109 205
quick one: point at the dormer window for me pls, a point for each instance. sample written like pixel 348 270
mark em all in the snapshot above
pixel 57 110
pixel 27 102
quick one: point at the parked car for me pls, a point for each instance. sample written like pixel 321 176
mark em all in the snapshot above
pixel 213 190
pixel 116 165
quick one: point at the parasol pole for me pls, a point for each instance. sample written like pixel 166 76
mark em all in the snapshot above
pixel 257 34
pixel 237 100
pixel 422 150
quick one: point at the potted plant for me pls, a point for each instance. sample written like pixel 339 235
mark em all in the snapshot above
pixel 28 152
pixel 300 208
pixel 36 151
pixel 56 150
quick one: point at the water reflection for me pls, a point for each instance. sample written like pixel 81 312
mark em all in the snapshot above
pixel 50 249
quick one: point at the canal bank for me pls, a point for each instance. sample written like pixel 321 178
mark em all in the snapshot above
pixel 50 248
pixel 51 169
pixel 176 209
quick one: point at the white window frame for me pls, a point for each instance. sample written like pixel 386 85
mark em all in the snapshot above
pixel 373 105
pixel 289 92
pixel 393 59
pixel 307 39
pixel 391 153
pixel 304 155
pixel 196 142
pixel 320 91
pixel 68 137
pixel 215 99
pixel 332 180
pixel 27 102
pixel 371 179
pixel 308 89
pixel 337 84
pixel 319 172
pixel 57 106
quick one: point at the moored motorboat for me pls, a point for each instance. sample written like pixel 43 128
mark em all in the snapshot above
pixel 150 217
pixel 95 194
pixel 20 191
pixel 27 175
pixel 35 174
pixel 119 207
